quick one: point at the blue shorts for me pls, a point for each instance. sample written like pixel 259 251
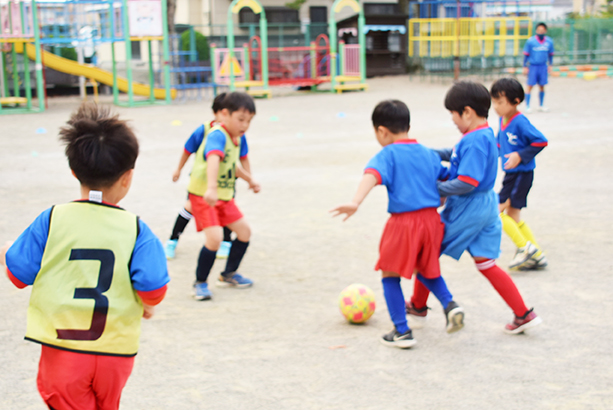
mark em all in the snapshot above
pixel 516 186
pixel 472 223
pixel 537 74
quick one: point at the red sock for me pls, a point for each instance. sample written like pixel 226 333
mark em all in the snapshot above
pixel 502 282
pixel 420 294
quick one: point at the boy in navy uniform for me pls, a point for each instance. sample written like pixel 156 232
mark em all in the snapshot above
pixel 412 236
pixel 538 50
pixel 471 211
pixel 519 142
pixel 95 270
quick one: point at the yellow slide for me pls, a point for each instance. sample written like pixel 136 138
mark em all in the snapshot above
pixel 72 67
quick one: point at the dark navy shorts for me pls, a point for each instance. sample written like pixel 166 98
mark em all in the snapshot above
pixel 516 186
pixel 537 74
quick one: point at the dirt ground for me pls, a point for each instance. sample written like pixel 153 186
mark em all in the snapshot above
pixel 283 343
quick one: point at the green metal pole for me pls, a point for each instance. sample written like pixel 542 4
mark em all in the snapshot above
pixel 313 55
pixel 264 53
pixel 307 34
pixel 166 51
pixel 571 40
pixel 230 37
pixel 332 37
pixel 26 62
pixel 246 57
pixel 16 92
pixel 151 76
pixel 193 52
pixel 362 41
pixel 6 75
pixel 128 45
pixel 341 57
pixel 40 89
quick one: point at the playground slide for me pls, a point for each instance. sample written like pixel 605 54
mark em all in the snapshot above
pixel 72 67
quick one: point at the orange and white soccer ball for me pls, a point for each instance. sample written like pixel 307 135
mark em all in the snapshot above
pixel 357 303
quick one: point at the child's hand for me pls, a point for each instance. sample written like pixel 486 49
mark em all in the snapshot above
pixel 3 251
pixel 176 175
pixel 255 186
pixel 148 311
pixel 210 196
pixel 347 209
pixel 513 160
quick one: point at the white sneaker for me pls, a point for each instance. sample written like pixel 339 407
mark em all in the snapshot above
pixel 535 263
pixel 542 108
pixel 523 255
pixel 528 110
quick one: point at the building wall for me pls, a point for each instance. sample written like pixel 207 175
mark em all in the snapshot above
pixel 588 7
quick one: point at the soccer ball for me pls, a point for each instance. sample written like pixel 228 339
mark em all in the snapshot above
pixel 357 303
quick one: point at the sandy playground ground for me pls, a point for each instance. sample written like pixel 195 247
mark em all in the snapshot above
pixel 283 343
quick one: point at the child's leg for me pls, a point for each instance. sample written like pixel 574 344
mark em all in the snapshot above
pixel 185 215
pixel 542 92
pixel 438 287
pixel 395 301
pixel 511 228
pixel 420 295
pixel 208 252
pixel 528 91
pixel 239 246
pixel 502 282
pixel 527 232
pixel 227 234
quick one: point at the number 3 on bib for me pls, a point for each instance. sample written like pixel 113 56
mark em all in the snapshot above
pixel 101 302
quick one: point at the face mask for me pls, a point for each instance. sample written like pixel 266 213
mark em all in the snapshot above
pixel 541 36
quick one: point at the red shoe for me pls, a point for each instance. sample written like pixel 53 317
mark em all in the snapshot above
pixel 523 323
pixel 418 316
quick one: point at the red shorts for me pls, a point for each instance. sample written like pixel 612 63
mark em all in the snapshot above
pixel 222 214
pixel 81 381
pixel 411 241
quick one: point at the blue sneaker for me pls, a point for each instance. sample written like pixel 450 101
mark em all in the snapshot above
pixel 201 291
pixel 224 250
pixel 170 247
pixel 237 280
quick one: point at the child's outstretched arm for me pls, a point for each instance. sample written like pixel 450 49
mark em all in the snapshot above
pixel 246 176
pixel 369 181
pixel 182 161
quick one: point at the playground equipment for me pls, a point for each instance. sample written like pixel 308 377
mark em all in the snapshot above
pixel 84 25
pixel 587 72
pixel 255 67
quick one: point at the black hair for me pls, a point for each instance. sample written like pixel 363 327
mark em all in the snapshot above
pixel 99 146
pixel 236 101
pixel 541 24
pixel 468 94
pixel 393 115
pixel 509 88
pixel 218 103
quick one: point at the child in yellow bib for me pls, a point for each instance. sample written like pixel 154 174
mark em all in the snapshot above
pixel 211 191
pixel 95 270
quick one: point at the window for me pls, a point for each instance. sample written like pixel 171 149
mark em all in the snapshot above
pixel 381 8
pixel 393 41
pixel 318 14
pixel 135 46
pixel 273 15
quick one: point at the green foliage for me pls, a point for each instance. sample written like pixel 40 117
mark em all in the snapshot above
pixel 202 45
pixel 296 4
pixel 68 53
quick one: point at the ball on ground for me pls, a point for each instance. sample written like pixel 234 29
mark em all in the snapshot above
pixel 357 303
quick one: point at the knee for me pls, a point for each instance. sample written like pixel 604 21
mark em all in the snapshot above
pixel 244 234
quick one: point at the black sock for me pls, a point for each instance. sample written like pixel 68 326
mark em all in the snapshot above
pixel 227 234
pixel 180 224
pixel 237 251
pixel 205 264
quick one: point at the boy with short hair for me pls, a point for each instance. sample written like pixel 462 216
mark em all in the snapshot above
pixel 412 236
pixel 519 142
pixel 211 192
pixel 95 270
pixel 471 211
pixel 538 50
pixel 191 146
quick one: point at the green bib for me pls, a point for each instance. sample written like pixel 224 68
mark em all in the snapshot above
pixel 82 298
pixel 226 177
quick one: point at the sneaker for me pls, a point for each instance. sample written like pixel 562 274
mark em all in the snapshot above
pixel 224 250
pixel 521 324
pixel 528 110
pixel 523 255
pixel 201 291
pixel 170 247
pixel 535 263
pixel 400 340
pixel 237 280
pixel 418 316
pixel 542 108
pixel 455 317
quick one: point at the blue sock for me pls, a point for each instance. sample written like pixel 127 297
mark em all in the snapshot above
pixel 528 100
pixel 395 303
pixel 542 97
pixel 438 287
